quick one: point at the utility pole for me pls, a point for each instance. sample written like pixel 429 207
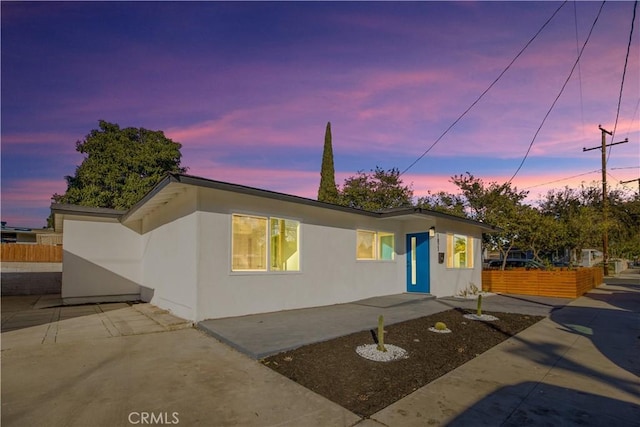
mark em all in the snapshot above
pixel 605 234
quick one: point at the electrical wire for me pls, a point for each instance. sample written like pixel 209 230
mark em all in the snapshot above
pixel 562 179
pixel 624 73
pixel 559 94
pixel 483 93
pixel 575 19
pixel 577 176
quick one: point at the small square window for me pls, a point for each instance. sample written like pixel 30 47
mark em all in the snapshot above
pixel 372 245
pixel 459 251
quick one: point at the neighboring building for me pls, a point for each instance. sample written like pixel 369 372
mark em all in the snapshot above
pixel 208 249
pixel 28 235
pixel 591 257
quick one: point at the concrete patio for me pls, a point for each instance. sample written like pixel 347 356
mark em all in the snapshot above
pixel 578 366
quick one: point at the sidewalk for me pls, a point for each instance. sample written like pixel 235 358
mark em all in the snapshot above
pixel 579 366
pixel 41 319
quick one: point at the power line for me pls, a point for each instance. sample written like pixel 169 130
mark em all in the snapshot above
pixel 575 19
pixel 563 179
pixel 483 93
pixel 626 167
pixel 559 94
pixel 624 72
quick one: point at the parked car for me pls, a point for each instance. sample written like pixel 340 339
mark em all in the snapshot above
pixel 517 263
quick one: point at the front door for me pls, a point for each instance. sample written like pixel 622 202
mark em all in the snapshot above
pixel 418 262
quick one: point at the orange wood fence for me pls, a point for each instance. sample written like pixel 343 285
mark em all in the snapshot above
pixel 16 252
pixel 554 283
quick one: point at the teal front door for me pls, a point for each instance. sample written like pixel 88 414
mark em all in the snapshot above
pixel 418 262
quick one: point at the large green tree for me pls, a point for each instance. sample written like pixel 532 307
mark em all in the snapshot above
pixel 376 190
pixel 452 204
pixel 495 204
pixel 328 192
pixel 120 166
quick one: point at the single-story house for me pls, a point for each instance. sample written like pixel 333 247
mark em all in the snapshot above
pixel 207 249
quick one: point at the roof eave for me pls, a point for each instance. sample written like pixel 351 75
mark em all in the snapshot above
pixel 429 212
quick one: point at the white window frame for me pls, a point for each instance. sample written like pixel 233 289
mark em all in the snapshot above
pixel 268 235
pixel 452 263
pixel 377 247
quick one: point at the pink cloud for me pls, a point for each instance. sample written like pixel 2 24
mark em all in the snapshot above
pixel 31 193
pixel 28 142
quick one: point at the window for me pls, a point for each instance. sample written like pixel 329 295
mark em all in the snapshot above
pixel 371 245
pixel 249 244
pixel 285 253
pixel 386 246
pixel 459 251
pixel 258 239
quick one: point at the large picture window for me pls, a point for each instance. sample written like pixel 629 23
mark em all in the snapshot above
pixel 258 239
pixel 459 251
pixel 372 245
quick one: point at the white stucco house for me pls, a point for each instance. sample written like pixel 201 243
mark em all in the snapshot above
pixel 207 249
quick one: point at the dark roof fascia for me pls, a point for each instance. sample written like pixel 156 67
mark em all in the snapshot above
pixel 420 211
pixel 67 209
pixel 252 191
pixel 155 190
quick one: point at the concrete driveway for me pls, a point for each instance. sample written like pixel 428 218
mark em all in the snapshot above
pixel 122 365
pixel 578 366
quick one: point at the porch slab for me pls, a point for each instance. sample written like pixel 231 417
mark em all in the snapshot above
pixel 394 300
pixel 262 335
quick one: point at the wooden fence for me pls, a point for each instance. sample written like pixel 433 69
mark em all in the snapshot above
pixel 554 283
pixel 16 252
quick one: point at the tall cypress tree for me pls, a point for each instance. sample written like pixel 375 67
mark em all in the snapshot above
pixel 328 192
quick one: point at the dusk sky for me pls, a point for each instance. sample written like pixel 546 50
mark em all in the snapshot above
pixel 248 88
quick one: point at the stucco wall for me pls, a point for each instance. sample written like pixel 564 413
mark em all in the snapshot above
pixel 169 256
pixel 101 261
pixel 329 272
pixel 178 257
pixel 449 281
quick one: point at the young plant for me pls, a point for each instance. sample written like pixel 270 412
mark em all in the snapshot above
pixel 381 346
pixel 441 326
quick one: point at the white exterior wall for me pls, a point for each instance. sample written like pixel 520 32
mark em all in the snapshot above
pixel 449 281
pixel 329 272
pixel 179 257
pixel 101 260
pixel 169 256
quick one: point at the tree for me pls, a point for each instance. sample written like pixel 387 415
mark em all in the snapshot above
pixel 452 204
pixel 328 192
pixel 120 166
pixel 376 191
pixel 536 231
pixel 578 213
pixel 495 204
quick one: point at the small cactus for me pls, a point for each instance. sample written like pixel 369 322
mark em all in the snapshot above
pixel 479 311
pixel 381 346
pixel 441 326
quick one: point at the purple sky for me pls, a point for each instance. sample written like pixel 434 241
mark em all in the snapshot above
pixel 248 88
